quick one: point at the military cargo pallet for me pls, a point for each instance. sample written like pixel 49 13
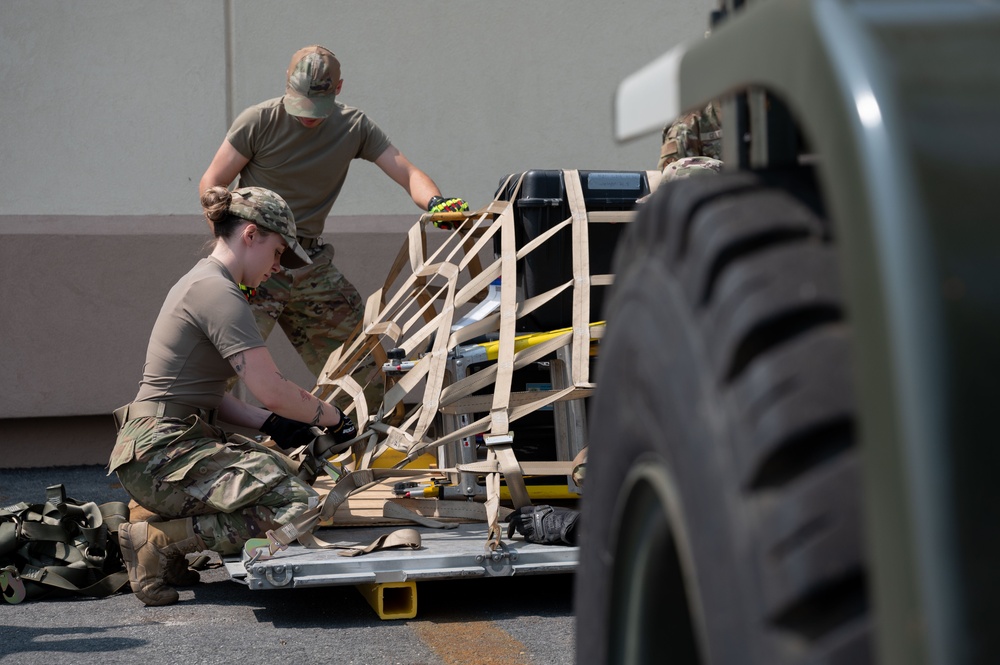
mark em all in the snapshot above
pixel 391 575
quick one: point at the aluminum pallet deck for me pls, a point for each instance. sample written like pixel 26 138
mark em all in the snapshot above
pixel 444 554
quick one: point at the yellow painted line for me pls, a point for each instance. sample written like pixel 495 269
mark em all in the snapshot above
pixel 470 643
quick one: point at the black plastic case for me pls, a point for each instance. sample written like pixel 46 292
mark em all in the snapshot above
pixel 541 204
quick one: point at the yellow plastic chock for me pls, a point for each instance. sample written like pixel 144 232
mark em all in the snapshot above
pixel 391 600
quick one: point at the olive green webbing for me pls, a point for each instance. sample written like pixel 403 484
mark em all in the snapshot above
pixel 63 545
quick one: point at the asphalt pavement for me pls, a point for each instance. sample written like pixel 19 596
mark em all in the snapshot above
pixel 507 620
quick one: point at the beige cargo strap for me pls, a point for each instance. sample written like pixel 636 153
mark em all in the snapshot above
pixel 494 533
pixel 581 278
pixel 416 309
pixel 396 511
pixel 653 178
pixel 398 539
pixel 461 511
pixel 407 538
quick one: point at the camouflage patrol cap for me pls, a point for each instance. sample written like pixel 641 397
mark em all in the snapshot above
pixel 690 166
pixel 268 210
pixel 311 88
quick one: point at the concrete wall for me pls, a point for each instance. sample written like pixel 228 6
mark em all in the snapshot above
pixel 111 110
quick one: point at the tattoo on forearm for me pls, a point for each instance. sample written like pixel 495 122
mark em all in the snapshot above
pixel 237 362
pixel 319 414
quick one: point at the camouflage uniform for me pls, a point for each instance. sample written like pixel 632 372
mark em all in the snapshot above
pixel 695 134
pixel 318 309
pixel 233 488
pixel 230 487
pixel 690 166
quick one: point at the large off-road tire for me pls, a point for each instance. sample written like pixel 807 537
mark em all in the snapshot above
pixel 721 512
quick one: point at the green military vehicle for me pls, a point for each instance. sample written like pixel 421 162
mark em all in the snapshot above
pixel 793 451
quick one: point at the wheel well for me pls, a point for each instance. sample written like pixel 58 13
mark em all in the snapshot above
pixel 651 598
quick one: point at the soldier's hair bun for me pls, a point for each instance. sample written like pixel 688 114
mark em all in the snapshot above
pixel 215 202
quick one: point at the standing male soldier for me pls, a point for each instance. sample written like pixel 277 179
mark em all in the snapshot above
pixel 301 145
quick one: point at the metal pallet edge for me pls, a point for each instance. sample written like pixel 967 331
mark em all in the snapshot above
pixel 453 554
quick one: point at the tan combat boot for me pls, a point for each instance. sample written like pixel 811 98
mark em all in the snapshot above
pixel 177 573
pixel 137 513
pixel 148 549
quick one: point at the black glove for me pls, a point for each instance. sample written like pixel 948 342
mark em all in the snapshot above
pixel 440 204
pixel 345 430
pixel 545 525
pixel 287 433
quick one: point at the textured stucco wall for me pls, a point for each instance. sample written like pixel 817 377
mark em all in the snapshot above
pixel 111 110
pixel 115 107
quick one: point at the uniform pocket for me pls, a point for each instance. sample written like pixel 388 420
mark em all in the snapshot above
pixel 124 450
pixel 239 477
pixel 207 459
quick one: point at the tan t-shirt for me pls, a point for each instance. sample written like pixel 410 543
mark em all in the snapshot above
pixel 204 320
pixel 307 166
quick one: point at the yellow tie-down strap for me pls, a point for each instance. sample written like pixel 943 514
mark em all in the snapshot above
pixel 491 350
pixel 415 312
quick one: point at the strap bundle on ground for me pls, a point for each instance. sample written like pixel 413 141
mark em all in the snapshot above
pixel 61 547
pixel 433 306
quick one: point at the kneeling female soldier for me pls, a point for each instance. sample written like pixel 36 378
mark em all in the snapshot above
pixel 170 456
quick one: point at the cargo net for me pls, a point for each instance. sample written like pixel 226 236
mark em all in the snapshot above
pixel 440 306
